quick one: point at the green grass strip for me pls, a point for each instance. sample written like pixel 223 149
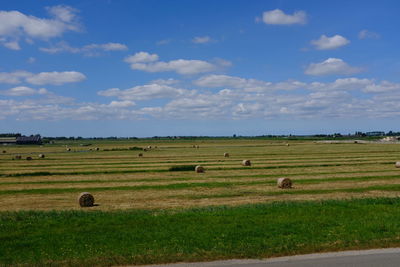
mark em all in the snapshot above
pixel 45 173
pixel 79 238
pixel 178 186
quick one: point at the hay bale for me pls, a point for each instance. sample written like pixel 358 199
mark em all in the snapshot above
pixel 197 147
pixel 86 199
pixel 68 149
pixel 97 149
pixel 148 147
pixel 226 155
pixel 18 157
pixel 246 162
pixel 194 146
pixel 4 151
pixel 284 183
pixel 28 158
pixel 397 164
pixel 144 149
pixel 41 156
pixel 287 145
pixel 140 155
pixel 199 169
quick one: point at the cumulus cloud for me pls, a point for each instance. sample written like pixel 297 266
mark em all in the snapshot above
pixel 331 66
pixel 14 77
pixel 365 34
pixel 329 43
pixel 15 25
pixel 88 50
pixel 278 17
pixel 54 78
pixel 234 98
pixel 249 85
pixel 202 40
pixel 21 91
pixel 121 104
pixel 149 62
pixel 141 57
pixel 146 92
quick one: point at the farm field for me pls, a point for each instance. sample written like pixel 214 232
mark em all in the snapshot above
pixel 120 179
pixel 344 196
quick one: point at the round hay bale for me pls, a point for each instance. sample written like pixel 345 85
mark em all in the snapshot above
pixel 28 158
pixel 86 199
pixel 284 183
pixel 144 149
pixel 140 155
pixel 397 164
pixel 68 149
pixel 246 162
pixel 97 149
pixel 226 155
pixel 199 169
pixel 18 157
pixel 197 146
pixel 287 145
pixel 148 147
pixel 41 156
pixel 4 151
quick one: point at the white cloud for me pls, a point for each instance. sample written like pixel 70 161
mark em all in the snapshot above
pixel 344 84
pixel 13 45
pixel 202 40
pixel 278 17
pixel 236 98
pixel 383 87
pixel 106 47
pixel 19 91
pixel 164 42
pixel 141 57
pixel 121 104
pixel 56 78
pixel 149 63
pixel 249 85
pixel 146 92
pixel 328 43
pixel 169 81
pixel 31 60
pixel 365 34
pixel 331 66
pixel 14 77
pixel 14 25
pixel 88 50
pixel 181 66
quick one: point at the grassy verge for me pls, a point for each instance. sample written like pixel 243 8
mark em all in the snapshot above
pixel 251 231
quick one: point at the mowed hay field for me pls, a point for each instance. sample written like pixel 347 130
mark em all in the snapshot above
pixel 119 179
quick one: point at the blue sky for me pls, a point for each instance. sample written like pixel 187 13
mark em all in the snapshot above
pixel 157 68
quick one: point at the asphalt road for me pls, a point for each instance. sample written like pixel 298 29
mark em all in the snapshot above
pixel 359 258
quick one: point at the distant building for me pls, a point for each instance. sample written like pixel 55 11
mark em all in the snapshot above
pixel 29 140
pixel 375 133
pixel 8 140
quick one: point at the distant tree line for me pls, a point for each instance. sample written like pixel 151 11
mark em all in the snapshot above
pixel 10 135
pixel 334 135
